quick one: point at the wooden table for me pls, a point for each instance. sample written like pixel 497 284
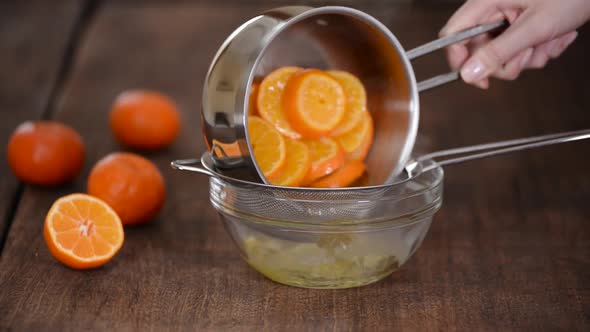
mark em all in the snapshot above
pixel 509 250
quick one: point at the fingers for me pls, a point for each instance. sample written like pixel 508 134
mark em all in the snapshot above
pixel 524 33
pixel 512 68
pixel 551 50
pixel 475 12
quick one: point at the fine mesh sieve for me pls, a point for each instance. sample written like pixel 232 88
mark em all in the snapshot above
pixel 349 205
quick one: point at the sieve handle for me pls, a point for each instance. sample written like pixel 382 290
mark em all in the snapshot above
pixel 444 42
pixel 460 155
pixel 191 165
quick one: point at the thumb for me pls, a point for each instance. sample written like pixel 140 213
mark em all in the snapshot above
pixel 525 32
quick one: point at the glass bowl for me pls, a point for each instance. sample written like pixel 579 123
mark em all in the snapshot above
pixel 328 238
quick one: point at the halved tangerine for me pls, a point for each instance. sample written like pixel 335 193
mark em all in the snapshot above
pixel 270 100
pixel 326 157
pixel 314 103
pixel 268 146
pixel 356 100
pixel 83 231
pixel 297 165
pixel 357 142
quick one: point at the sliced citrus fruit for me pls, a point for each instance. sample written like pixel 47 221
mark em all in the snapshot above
pixel 356 100
pixel 268 146
pixel 357 142
pixel 297 165
pixel 326 157
pixel 343 177
pixel 270 100
pixel 83 231
pixel 252 108
pixel 314 103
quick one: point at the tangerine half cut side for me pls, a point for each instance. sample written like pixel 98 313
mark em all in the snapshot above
pixel 82 231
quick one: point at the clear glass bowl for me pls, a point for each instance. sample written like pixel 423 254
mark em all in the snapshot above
pixel 328 238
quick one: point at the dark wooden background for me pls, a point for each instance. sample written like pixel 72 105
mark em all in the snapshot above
pixel 509 250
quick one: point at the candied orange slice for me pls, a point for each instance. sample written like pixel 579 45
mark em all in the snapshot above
pixel 270 100
pixel 268 146
pixel 314 103
pixel 356 100
pixel 343 177
pixel 326 157
pixel 297 165
pixel 357 142
pixel 252 107
pixel 83 231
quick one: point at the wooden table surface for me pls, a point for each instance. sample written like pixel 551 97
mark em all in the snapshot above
pixel 509 249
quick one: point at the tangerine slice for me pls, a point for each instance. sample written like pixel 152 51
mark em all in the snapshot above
pixel 252 107
pixel 356 100
pixel 270 100
pixel 268 146
pixel 326 157
pixel 297 165
pixel 83 231
pixel 357 142
pixel 343 177
pixel 314 103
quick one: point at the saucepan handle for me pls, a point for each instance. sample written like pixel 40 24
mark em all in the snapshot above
pixel 446 41
pixel 191 165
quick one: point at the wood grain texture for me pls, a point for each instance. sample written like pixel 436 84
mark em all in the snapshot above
pixel 509 250
pixel 32 46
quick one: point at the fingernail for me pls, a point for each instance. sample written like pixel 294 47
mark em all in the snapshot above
pixel 560 47
pixel 526 58
pixel 570 39
pixel 474 70
pixel 483 84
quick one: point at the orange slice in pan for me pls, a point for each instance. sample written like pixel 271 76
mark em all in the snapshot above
pixel 268 146
pixel 297 165
pixel 356 101
pixel 326 157
pixel 314 103
pixel 357 142
pixel 270 100
pixel 343 177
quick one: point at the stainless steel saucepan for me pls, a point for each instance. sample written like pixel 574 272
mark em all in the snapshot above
pixel 326 38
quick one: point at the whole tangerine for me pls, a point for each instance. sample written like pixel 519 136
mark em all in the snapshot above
pixel 144 120
pixel 131 184
pixel 45 153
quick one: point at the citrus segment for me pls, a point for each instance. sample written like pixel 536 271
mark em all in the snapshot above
pixel 357 142
pixel 297 165
pixel 314 103
pixel 356 100
pixel 343 177
pixel 326 157
pixel 270 100
pixel 268 146
pixel 73 236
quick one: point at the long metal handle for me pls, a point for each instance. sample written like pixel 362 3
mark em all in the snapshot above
pixel 496 148
pixel 192 165
pixel 444 42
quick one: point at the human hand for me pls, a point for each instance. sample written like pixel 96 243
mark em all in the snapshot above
pixel 539 30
